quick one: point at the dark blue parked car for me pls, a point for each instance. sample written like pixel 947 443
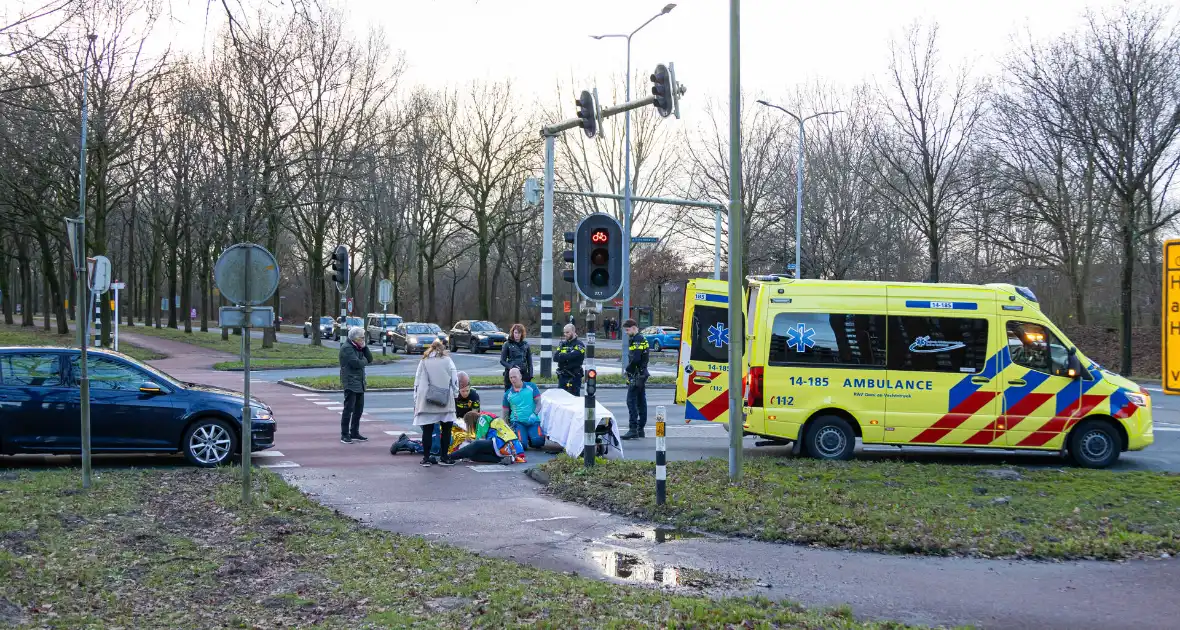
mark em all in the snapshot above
pixel 134 408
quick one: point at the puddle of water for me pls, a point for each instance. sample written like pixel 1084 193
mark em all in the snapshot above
pixel 634 568
pixel 658 534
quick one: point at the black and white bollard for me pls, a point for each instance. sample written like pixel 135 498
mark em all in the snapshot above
pixel 661 458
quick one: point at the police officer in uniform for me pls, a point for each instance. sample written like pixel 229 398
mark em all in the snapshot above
pixel 570 355
pixel 636 375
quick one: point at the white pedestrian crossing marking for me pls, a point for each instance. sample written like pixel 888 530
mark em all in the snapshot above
pixel 267 454
pixel 282 464
pixel 491 468
pixel 336 408
pixel 326 402
pixel 308 395
pixel 1176 429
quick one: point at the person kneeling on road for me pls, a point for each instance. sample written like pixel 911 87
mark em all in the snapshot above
pixel 570 355
pixel 467 400
pixel 494 441
pixel 521 401
pixel 354 356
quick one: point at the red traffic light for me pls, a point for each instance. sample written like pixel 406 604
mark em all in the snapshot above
pixel 592 374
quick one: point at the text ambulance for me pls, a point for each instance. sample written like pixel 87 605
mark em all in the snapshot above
pixel 901 364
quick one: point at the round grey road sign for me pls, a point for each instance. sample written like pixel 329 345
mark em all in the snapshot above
pixel 246 274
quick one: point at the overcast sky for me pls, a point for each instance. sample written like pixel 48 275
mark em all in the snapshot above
pixel 784 42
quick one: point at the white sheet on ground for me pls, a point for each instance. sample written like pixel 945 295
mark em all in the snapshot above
pixel 563 419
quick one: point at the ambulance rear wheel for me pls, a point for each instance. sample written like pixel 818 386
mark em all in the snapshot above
pixel 830 437
pixel 1094 444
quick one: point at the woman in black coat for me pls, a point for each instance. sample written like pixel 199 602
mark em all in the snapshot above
pixel 516 354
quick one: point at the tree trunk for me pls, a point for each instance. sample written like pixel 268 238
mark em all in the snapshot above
pixel 1125 300
pixel 5 293
pixel 485 311
pixel 26 283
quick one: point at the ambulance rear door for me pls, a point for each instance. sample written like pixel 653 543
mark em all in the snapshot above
pixel 702 382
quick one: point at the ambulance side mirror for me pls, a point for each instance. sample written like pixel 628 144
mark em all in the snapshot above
pixel 1074 365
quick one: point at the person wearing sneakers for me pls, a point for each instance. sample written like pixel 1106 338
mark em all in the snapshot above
pixel 354 356
pixel 436 383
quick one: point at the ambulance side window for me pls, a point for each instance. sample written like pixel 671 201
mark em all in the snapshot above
pixel 828 340
pixel 1034 347
pixel 920 343
pixel 710 334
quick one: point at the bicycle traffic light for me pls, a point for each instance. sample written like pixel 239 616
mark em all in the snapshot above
pixel 598 257
pixel 339 265
pixel 588 114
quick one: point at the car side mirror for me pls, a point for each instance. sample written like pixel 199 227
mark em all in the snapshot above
pixel 150 388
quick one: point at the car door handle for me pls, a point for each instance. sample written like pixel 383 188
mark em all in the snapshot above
pixel 980 380
pixel 702 380
pixel 1018 382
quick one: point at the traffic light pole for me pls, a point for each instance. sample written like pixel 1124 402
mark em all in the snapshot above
pixel 547 264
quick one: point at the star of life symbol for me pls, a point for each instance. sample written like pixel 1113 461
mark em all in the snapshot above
pixel 801 338
pixel 719 334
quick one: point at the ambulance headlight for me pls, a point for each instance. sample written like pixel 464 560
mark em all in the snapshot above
pixel 1139 400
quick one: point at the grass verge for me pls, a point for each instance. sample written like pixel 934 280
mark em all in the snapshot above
pixel 173 548
pixel 901 507
pixel 332 382
pixel 281 356
pixel 35 336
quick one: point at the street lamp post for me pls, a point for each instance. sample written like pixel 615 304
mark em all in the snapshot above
pixel 627 178
pixel 798 180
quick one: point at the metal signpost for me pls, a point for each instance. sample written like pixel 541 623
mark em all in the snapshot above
pixel 736 320
pixel 384 296
pixel 247 275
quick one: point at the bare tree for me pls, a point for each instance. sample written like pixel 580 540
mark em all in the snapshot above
pixel 491 145
pixel 923 147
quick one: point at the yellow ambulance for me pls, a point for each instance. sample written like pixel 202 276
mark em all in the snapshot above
pixel 905 364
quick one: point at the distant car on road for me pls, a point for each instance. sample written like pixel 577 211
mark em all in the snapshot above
pixel 413 337
pixel 134 408
pixel 380 327
pixel 343 324
pixel 660 337
pixel 324 329
pixel 478 336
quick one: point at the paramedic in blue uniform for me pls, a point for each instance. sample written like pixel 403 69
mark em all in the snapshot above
pixel 636 376
pixel 570 355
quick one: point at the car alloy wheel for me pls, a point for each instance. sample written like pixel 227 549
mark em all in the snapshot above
pixel 209 443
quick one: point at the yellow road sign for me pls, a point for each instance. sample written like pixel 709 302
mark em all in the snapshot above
pixel 1171 318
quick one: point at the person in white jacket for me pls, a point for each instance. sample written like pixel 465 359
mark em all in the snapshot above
pixel 435 372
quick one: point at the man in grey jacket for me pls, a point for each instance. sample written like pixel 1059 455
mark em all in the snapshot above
pixel 354 356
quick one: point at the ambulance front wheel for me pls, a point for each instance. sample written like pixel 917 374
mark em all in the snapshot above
pixel 1094 444
pixel 830 437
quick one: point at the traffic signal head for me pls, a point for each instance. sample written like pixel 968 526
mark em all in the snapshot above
pixel 661 88
pixel 340 266
pixel 587 113
pixel 568 256
pixel 598 257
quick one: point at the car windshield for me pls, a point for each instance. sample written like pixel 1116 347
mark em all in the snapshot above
pixel 355 321
pixel 390 322
pixel 325 320
pixel 418 329
pixel 484 327
pixel 434 328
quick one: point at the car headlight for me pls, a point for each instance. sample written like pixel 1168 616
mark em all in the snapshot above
pixel 261 413
pixel 1139 400
pixel 481 337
